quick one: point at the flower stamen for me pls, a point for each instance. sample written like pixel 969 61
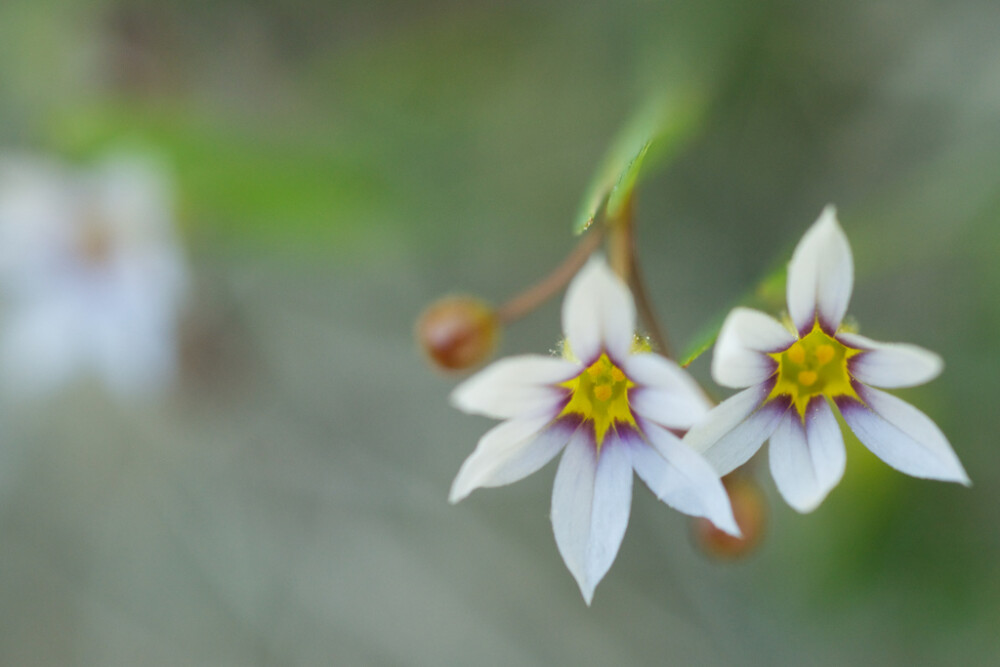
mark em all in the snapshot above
pixel 796 353
pixel 824 354
pixel 600 395
pixel 812 366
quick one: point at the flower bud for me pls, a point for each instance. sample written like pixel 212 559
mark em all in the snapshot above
pixel 458 332
pixel 750 512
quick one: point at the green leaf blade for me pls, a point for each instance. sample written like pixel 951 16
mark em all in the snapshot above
pixel 651 138
pixel 767 295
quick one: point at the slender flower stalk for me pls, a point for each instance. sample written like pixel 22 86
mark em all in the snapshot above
pixel 525 302
pixel 792 378
pixel 626 264
pixel 612 407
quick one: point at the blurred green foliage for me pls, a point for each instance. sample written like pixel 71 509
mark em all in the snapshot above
pixel 659 129
pixel 248 183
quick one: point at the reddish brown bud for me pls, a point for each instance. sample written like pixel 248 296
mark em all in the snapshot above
pixel 458 332
pixel 750 512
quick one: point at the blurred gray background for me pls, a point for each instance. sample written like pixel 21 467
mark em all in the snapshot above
pixel 342 164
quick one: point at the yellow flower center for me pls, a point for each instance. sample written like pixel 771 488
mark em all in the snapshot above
pixel 600 395
pixel 814 365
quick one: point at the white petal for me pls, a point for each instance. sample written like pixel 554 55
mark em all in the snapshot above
pixel 515 387
pixel 902 436
pixel 598 314
pixel 820 275
pixel 672 410
pixel 510 452
pixel 681 477
pixel 735 429
pixel 807 461
pixel 741 351
pixel 591 501
pixel 665 392
pixel 891 365
pixel 42 347
pixel 134 348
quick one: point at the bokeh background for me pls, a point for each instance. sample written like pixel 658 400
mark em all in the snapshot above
pixel 341 164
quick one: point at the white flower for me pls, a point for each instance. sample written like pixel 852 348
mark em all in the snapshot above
pixel 614 409
pixel 791 379
pixel 91 275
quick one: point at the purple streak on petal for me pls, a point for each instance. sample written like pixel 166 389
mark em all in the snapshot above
pixel 735 429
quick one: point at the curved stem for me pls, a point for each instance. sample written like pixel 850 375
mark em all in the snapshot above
pixel 531 298
pixel 645 308
pixel 625 260
pixel 622 242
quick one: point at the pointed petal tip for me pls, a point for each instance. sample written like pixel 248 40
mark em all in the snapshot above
pixel 961 477
pixel 936 363
pixel 829 223
pixel 826 223
pixel 455 398
pixel 596 268
pixel 586 587
pixel 828 215
pixel 596 262
pixel 725 519
pixel 460 397
pixel 956 475
pixel 587 593
pixel 729 526
pixel 954 471
pixel 458 493
pixel 806 507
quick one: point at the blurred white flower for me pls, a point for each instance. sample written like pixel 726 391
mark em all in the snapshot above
pixel 790 379
pixel 614 407
pixel 91 275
